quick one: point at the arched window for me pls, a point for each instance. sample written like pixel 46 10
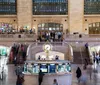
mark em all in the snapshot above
pixel 91 6
pixel 50 27
pixel 50 7
pixel 50 31
pixel 94 28
pixel 8 7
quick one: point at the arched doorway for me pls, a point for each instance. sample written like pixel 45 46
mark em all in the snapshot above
pixel 50 32
pixel 94 28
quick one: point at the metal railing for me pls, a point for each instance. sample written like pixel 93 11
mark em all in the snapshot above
pixel 13 35
pixel 83 35
pixel 68 37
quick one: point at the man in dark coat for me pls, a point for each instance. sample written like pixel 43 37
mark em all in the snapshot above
pixel 40 77
pixel 78 74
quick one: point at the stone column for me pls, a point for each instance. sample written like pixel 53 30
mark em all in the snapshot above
pixel 76 15
pixel 24 13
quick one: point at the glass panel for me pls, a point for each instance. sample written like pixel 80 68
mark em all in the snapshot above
pixel 90 25
pixel 8 7
pixel 91 6
pixel 93 24
pixel 94 28
pixel 50 7
pixel 97 24
pixel 50 28
pixel 53 28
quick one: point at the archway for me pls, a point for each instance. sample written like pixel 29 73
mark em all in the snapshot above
pixel 94 28
pixel 50 31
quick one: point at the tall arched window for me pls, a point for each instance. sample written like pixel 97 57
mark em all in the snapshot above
pixel 91 6
pixel 50 31
pixel 8 7
pixel 94 28
pixel 50 7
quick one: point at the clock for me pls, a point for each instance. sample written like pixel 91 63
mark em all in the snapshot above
pixel 47 47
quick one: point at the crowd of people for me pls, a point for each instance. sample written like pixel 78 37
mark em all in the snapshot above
pixel 13 31
pixel 27 31
pixel 18 54
pixel 17 57
pixel 96 57
pixel 50 36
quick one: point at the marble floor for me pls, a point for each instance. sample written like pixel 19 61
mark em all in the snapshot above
pixel 10 77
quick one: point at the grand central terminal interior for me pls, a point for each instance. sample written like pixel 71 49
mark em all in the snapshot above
pixel 49 42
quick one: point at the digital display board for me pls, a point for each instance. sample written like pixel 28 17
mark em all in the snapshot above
pixel 44 68
pixel 52 68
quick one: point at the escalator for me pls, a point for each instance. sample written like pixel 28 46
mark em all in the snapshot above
pixel 79 57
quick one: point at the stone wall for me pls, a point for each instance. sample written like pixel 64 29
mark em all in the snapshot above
pixel 75 15
pixel 75 21
pixel 24 13
pixel 11 19
pixel 49 19
pixel 90 19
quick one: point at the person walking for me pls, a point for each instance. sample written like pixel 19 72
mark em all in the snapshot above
pixel 85 64
pixel 78 74
pixel 20 80
pixel 89 70
pixel 84 78
pixel 40 77
pixel 18 70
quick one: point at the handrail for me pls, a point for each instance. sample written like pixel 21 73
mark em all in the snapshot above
pixel 35 35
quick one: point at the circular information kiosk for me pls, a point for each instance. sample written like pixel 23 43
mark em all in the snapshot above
pixel 53 69
pixel 33 67
pixel 60 70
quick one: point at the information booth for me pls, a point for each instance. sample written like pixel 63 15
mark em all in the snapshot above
pixel 52 64
pixel 59 69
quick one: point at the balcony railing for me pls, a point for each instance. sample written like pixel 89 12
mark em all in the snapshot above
pixel 33 37
pixel 82 37
pixel 18 37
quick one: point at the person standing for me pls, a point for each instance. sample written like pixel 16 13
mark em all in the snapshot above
pixel 40 77
pixel 55 82
pixel 86 46
pixel 78 74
